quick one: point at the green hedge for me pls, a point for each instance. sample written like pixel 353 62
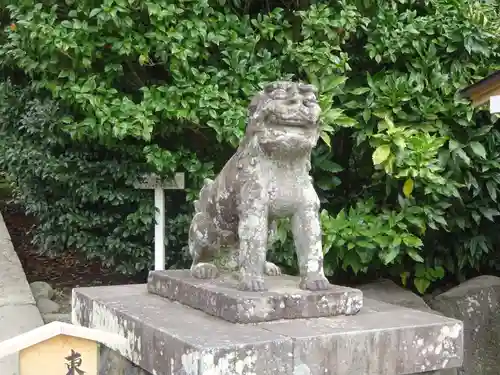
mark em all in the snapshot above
pixel 407 172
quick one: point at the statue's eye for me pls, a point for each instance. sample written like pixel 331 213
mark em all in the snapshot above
pixel 309 100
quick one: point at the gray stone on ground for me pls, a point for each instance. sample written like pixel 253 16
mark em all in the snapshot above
pixel 47 306
pixel 18 313
pixel 14 289
pixel 477 303
pixel 283 300
pixel 41 289
pixel 388 291
pixel 56 317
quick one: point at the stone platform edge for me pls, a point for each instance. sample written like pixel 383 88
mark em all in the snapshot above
pixel 165 337
pixel 283 299
pixel 18 311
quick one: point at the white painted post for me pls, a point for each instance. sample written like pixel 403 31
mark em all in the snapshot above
pixel 159 186
pixel 495 104
pixel 159 228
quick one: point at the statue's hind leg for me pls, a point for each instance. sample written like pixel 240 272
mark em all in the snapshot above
pixel 201 240
pixel 272 269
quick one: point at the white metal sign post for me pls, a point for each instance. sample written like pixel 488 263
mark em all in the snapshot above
pixel 159 186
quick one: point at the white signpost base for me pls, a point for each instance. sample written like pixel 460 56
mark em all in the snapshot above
pixel 159 229
pixel 159 186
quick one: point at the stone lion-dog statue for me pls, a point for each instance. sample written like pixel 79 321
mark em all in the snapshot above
pixel 267 178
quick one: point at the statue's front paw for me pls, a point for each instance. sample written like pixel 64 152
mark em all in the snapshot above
pixel 272 269
pixel 204 271
pixel 252 284
pixel 314 283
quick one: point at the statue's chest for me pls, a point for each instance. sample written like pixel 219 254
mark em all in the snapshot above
pixel 285 190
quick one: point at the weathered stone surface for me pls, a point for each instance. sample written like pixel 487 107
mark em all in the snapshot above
pixel 47 306
pixel 398 341
pixel 14 288
pixel 41 289
pixel 388 291
pixel 18 313
pixel 15 320
pixel 283 300
pixel 168 338
pixel 113 363
pixel 477 303
pixel 267 178
pixel 165 337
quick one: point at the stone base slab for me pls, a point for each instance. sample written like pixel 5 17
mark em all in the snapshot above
pixel 168 338
pixel 283 299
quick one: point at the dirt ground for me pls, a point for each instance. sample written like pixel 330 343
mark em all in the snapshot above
pixel 63 272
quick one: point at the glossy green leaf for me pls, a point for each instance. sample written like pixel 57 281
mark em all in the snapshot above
pixel 381 154
pixel 421 284
pixel 478 149
pixel 415 256
pixel 408 187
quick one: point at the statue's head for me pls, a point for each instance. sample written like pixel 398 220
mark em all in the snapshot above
pixel 284 118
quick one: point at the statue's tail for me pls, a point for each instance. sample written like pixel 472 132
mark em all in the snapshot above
pixel 200 205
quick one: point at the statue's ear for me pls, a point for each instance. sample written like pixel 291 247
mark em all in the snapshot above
pixel 254 104
pixel 252 109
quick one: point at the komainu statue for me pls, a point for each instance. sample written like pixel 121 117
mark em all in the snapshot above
pixel 267 178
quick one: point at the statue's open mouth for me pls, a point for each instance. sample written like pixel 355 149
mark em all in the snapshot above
pixel 286 132
pixel 292 129
pixel 298 119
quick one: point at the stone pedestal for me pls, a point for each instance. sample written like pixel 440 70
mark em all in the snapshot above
pixel 165 337
pixel 283 299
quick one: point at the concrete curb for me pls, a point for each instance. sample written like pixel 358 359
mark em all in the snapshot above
pixel 18 311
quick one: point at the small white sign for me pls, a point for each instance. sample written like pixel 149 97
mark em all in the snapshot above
pixel 157 184
pixel 495 104
pixel 152 181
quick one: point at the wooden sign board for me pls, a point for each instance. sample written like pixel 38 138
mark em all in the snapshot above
pixel 152 181
pixel 59 349
pixel 60 355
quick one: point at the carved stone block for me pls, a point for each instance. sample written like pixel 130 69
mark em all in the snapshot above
pixel 282 300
